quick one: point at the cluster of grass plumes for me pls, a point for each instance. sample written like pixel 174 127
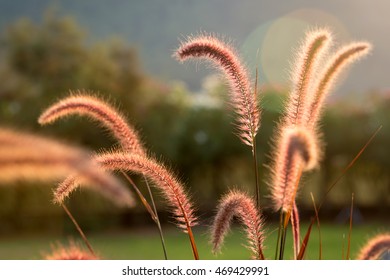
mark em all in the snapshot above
pixel 296 145
pixel 30 157
pixel 296 150
pixel 243 96
pixel 131 156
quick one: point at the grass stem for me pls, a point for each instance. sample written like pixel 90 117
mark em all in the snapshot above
pixel 157 218
pixel 257 188
pixel 279 232
pixel 78 229
pixel 152 212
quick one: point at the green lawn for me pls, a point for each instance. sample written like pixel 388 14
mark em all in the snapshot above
pixel 145 244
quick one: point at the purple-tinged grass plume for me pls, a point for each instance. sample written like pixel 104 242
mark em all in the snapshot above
pixel 375 247
pixel 309 56
pixel 83 104
pixel 243 97
pixel 164 180
pixel 326 79
pixel 236 203
pixel 297 151
pixel 70 252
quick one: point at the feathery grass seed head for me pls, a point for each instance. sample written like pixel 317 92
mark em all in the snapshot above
pixel 164 180
pixel 305 68
pixel 326 80
pixel 296 151
pixel 71 252
pixel 375 247
pixel 243 98
pixel 94 177
pixel 84 104
pixel 236 203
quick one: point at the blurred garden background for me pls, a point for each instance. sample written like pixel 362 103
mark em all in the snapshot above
pixel 122 51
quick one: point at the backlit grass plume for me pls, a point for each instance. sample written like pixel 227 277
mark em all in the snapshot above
pixel 243 97
pixel 326 79
pixel 297 151
pixel 84 104
pixel 70 252
pixel 304 69
pixel 236 203
pixel 35 158
pixel 375 247
pixel 163 179
pixel 296 147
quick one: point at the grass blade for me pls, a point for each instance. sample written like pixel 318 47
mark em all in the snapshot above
pixel 78 229
pixel 318 225
pixel 305 241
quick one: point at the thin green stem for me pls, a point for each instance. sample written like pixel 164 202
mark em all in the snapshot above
pixel 279 232
pixel 318 226
pixel 254 151
pixel 153 213
pixel 157 218
pixel 257 189
pixel 78 229
pixel 283 238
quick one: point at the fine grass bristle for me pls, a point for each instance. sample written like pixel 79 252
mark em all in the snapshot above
pixel 84 104
pixel 326 80
pixel 93 177
pixel 375 247
pixel 163 179
pixel 243 98
pixel 296 151
pixel 304 70
pixel 236 203
pixel 70 252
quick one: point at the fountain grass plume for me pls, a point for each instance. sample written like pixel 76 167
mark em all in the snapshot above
pixel 375 247
pixel 305 67
pixel 236 203
pixel 85 104
pixel 296 151
pixel 95 178
pixel 243 97
pixel 70 252
pixel 163 179
pixel 331 72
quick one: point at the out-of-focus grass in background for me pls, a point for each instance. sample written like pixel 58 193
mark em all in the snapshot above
pixel 145 243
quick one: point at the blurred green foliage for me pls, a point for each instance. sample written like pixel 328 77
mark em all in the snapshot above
pixel 41 62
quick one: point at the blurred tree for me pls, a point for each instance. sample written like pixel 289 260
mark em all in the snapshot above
pixel 42 62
